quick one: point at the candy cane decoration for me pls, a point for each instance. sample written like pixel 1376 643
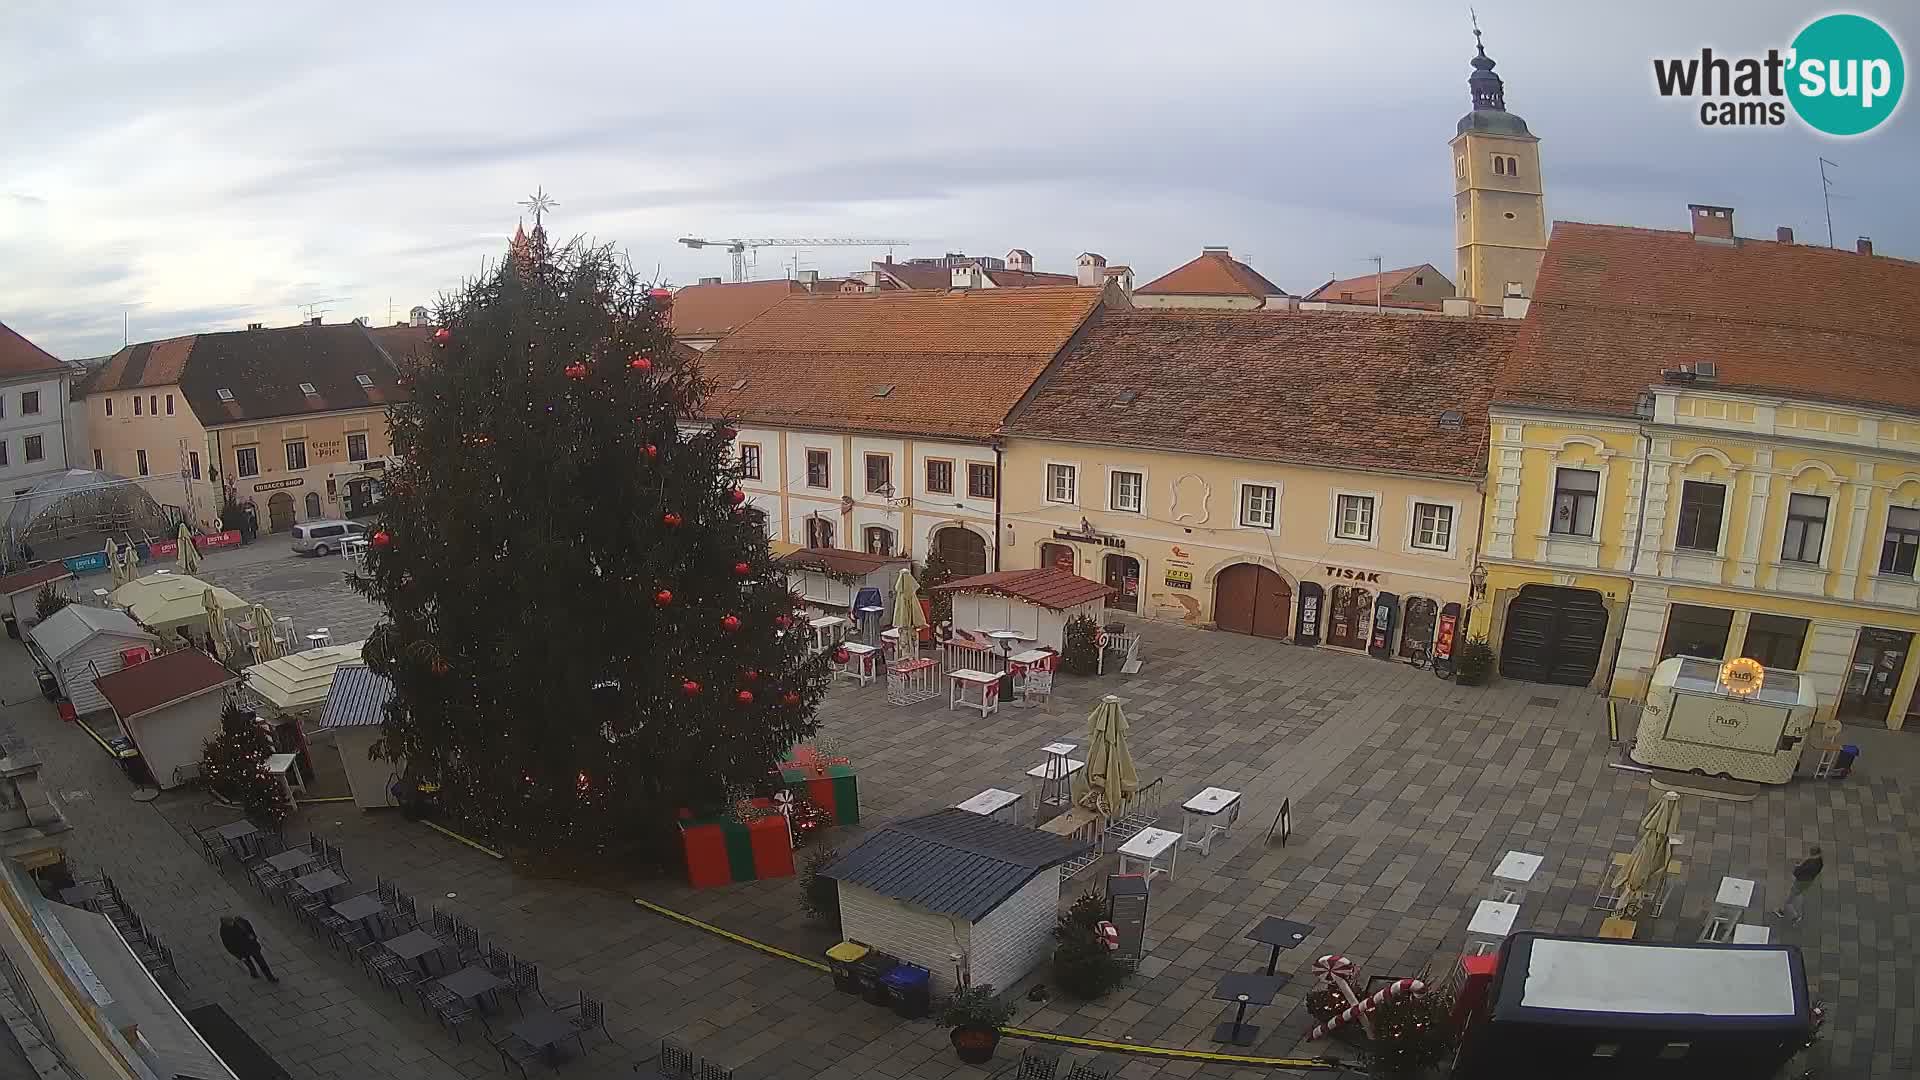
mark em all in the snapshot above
pixel 1339 971
pixel 1399 988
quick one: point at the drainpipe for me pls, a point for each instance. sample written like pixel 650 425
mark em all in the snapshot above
pixel 999 486
pixel 1633 566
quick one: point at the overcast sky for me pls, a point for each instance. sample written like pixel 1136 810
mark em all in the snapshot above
pixel 197 171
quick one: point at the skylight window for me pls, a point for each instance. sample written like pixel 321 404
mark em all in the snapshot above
pixel 364 380
pixel 307 389
pixel 225 394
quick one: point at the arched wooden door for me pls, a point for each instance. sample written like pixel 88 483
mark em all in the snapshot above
pixel 1349 617
pixel 313 505
pixel 280 512
pixel 964 550
pixel 1249 599
pixel 1554 635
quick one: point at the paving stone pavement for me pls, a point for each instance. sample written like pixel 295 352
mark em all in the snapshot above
pixel 1405 790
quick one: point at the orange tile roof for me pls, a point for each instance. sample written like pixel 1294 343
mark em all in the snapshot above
pixel 1025 279
pixel 142 364
pixel 1355 390
pixel 704 311
pixel 1048 586
pixel 18 356
pixel 1614 306
pixel 1214 273
pixel 956 360
pixel 1356 289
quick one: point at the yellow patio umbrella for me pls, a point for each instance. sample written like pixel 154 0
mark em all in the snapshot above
pixel 1108 783
pixel 216 623
pixel 907 616
pixel 188 556
pixel 1639 881
pixel 265 647
pixel 113 562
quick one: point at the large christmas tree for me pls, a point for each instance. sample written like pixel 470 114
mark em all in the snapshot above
pixel 585 630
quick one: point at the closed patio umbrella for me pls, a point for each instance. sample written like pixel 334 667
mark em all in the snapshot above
pixel 265 647
pixel 113 562
pixel 216 623
pixel 1640 880
pixel 188 556
pixel 907 616
pixel 129 565
pixel 1108 782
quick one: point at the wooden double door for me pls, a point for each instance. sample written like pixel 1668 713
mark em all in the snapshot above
pixel 1249 599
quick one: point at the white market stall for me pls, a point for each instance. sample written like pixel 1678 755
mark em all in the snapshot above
pixel 169 706
pixel 1035 604
pixel 290 691
pixel 1735 719
pixel 21 592
pixel 923 888
pixel 356 707
pixel 832 579
pixel 168 602
pixel 79 643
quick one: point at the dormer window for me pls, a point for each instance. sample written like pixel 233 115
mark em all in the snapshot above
pixel 307 389
pixel 364 380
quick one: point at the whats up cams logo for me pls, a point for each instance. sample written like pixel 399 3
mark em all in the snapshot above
pixel 1842 75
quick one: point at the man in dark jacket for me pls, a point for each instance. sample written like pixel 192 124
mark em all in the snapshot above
pixel 236 933
pixel 1804 876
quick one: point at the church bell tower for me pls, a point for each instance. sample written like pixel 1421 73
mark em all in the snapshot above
pixel 1500 222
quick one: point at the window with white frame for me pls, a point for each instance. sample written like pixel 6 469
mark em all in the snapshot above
pixel 1901 549
pixel 357 446
pixel 1259 506
pixel 819 469
pixel 1127 492
pixel 246 461
pixel 1432 526
pixel 1062 483
pixel 1353 517
pixel 1576 497
pixel 296 454
pixel 1806 529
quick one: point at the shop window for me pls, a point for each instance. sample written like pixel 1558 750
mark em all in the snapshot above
pixel 1127 491
pixel 1353 517
pixel 879 475
pixel 1697 631
pixel 1259 506
pixel 939 476
pixel 1432 527
pixel 1062 483
pixel 819 469
pixel 1123 577
pixel 819 532
pixel 1902 543
pixel 1702 505
pixel 749 461
pixel 879 540
pixel 1775 640
pixel 981 481
pixel 1806 529
pixel 1576 497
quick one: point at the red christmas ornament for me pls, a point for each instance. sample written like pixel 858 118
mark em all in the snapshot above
pixel 744 697
pixel 382 539
pixel 652 451
pixel 640 363
pixel 750 675
pixel 670 519
pixel 737 496
pixel 576 370
pixel 442 336
pixel 663 597
pixel 841 656
pixel 690 688
pixel 782 621
pixel 741 569
pixel 662 298
pixel 789 699
pixel 730 623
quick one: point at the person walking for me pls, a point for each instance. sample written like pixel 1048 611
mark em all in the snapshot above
pixel 1804 876
pixel 236 933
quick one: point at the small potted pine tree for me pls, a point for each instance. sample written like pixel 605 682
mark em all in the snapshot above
pixel 975 1015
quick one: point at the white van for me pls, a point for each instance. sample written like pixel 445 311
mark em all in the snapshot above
pixel 325 537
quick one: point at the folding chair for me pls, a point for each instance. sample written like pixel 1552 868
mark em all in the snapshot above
pixel 589 1013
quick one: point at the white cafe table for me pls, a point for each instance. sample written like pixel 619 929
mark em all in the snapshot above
pixel 1749 934
pixel 1513 873
pixel 1733 898
pixel 1491 923
pixel 282 766
pixel 991 802
pixel 827 630
pixel 988 683
pixel 1148 847
pixel 863 663
pixel 1055 772
pixel 1216 809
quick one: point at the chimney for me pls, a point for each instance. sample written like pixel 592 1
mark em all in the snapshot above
pixel 1457 306
pixel 1020 259
pixel 709 281
pixel 967 277
pixel 256 326
pixel 1091 269
pixel 809 278
pixel 1864 245
pixel 1712 224
pixel 1783 234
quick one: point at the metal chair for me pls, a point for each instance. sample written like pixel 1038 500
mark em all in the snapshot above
pixel 442 924
pixel 466 944
pixel 1087 1070
pixel 336 860
pixel 1038 1063
pixel 516 1052
pixel 316 846
pixel 674 1060
pixel 500 962
pixel 397 977
pixel 588 1013
pixel 389 892
pixel 527 977
pixel 431 996
pixel 456 1013
pixel 712 1070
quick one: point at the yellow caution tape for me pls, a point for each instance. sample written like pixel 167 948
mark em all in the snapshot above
pixel 304 801
pixel 737 939
pixel 474 844
pixel 1613 722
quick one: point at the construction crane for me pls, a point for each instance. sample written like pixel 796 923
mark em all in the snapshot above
pixel 738 248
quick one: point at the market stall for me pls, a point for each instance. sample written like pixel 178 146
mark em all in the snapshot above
pixel 78 644
pixel 840 582
pixel 291 691
pixel 169 708
pixel 355 709
pixel 167 603
pixel 1035 605
pixel 1735 719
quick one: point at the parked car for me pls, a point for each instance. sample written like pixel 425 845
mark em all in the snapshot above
pixel 325 537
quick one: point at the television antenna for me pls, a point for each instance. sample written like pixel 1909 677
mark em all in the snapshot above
pixel 738 248
pixel 317 308
pixel 1826 196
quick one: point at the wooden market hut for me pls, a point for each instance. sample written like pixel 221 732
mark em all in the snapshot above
pixel 290 691
pixel 832 578
pixel 21 591
pixel 356 707
pixel 80 643
pixel 169 707
pixel 1037 603
pixel 926 887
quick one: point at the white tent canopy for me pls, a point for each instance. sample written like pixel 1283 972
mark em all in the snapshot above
pixel 299 682
pixel 167 601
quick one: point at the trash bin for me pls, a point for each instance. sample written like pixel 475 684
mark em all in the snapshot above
pixel 867 972
pixel 13 625
pixel 1843 761
pixel 49 686
pixel 841 960
pixel 909 991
